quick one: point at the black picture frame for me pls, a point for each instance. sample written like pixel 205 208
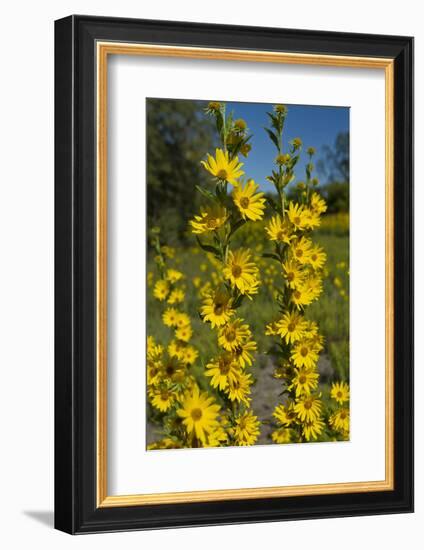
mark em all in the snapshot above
pixel 76 510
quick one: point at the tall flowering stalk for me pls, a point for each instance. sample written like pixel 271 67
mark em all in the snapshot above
pixel 300 417
pixel 231 203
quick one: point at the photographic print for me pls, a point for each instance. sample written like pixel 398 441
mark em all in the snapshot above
pixel 248 274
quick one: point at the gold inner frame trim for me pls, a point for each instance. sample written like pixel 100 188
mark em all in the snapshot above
pixel 103 50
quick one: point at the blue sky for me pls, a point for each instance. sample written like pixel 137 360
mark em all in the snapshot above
pixel 317 126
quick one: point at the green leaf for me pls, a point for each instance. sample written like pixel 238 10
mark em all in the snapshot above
pixel 236 226
pixel 221 193
pixel 219 123
pixel 206 193
pixel 229 121
pixel 238 301
pixel 237 146
pixel 274 205
pixel 273 137
pixel 271 255
pixel 207 247
pixel 276 122
pixel 294 161
pixel 276 125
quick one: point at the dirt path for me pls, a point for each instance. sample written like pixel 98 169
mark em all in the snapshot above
pixel 266 392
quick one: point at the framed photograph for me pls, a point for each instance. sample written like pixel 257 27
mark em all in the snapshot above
pixel 234 274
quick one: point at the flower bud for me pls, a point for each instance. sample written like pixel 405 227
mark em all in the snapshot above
pixel 213 106
pixel 245 149
pixel 280 109
pixel 282 159
pixel 240 126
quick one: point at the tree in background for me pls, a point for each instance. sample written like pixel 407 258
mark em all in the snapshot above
pixel 177 136
pixel 335 164
pixel 334 167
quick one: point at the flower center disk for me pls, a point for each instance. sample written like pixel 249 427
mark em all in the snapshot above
pixel 236 271
pixel 196 414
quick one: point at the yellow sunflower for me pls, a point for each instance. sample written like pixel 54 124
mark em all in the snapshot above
pixel 173 370
pixel 184 333
pixel 246 430
pixel 243 353
pixel 176 297
pixel 250 204
pixel 281 435
pixel 154 351
pixel 223 168
pixel 311 329
pixel 153 372
pixel 189 355
pixel 162 398
pixel 182 319
pixel 317 257
pixel 302 297
pixel 217 438
pixel 240 271
pixel 271 329
pixel 304 381
pixel 304 354
pixel 317 341
pixel 340 421
pixel 222 370
pixel 340 392
pixel 300 250
pixel 296 215
pixel 161 289
pixel 308 408
pixel 312 286
pixel 279 230
pixel 210 219
pixel 312 334
pixel 291 327
pixel 317 203
pixel 313 428
pixel 239 389
pixel 199 413
pixel 165 443
pixel 217 308
pixel 311 219
pixel 168 251
pixel 293 274
pixel 177 348
pixel 172 275
pixel 169 317
pixel 233 334
pixel 285 415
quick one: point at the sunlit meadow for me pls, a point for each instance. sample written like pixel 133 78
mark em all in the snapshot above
pixel 248 286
